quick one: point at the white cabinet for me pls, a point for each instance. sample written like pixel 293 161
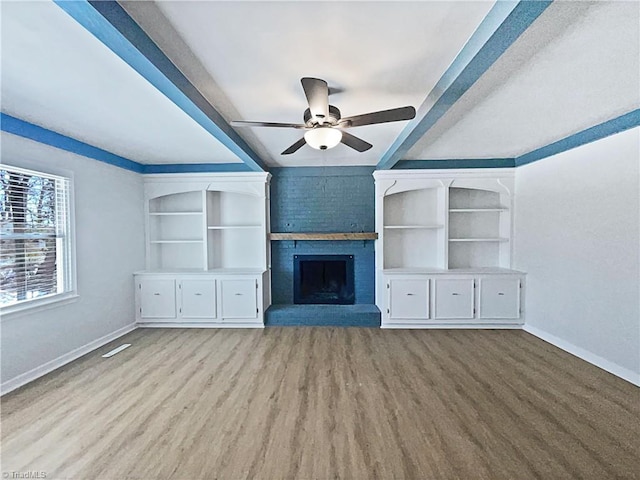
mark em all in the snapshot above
pixel 499 297
pixel 215 299
pixel 454 298
pixel 157 298
pixel 239 299
pixel 198 299
pixel 408 299
pixel 441 299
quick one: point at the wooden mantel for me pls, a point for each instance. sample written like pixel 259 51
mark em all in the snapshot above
pixel 324 236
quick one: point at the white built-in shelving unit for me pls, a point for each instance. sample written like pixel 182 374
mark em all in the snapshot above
pixel 207 255
pixel 443 234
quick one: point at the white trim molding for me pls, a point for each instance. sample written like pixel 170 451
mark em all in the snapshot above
pixel 62 360
pixel 613 368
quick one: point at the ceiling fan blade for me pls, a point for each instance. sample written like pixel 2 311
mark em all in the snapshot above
pixel 239 123
pixel 295 147
pixel 317 93
pixel 383 116
pixel 355 142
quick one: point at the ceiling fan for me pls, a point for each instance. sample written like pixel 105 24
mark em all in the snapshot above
pixel 323 124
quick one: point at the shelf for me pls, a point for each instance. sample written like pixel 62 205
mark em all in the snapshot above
pixel 478 239
pixel 226 227
pixel 468 210
pixel 413 227
pixel 324 236
pixel 168 214
pixel 175 241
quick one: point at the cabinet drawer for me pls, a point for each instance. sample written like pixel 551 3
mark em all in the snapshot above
pixel 198 299
pixel 157 298
pixel 499 298
pixel 409 299
pixel 239 299
pixel 454 298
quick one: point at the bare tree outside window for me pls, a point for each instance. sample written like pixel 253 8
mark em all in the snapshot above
pixel 32 230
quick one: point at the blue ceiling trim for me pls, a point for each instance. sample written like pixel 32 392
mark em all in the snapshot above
pixel 456 163
pixel 42 135
pixel 108 22
pixel 196 168
pixel 28 130
pixel 502 26
pixel 605 129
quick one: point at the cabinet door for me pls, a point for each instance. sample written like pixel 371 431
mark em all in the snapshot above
pixel 409 299
pixel 239 299
pixel 454 298
pixel 198 299
pixel 157 298
pixel 499 297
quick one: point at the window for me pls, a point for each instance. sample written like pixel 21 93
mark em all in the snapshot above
pixel 36 251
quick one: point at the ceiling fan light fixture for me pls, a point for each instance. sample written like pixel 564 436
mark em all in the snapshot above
pixel 323 138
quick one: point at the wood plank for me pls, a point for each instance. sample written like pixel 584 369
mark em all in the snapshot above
pixel 324 236
pixel 350 403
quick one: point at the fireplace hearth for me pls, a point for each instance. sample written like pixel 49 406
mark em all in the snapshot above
pixel 323 279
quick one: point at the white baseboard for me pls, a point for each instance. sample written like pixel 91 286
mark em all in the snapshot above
pixel 50 366
pixel 454 326
pixel 587 356
pixel 198 325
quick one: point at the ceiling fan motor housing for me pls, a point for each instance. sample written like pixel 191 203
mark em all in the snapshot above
pixel 311 121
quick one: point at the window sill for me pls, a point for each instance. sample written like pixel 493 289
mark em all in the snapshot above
pixel 35 306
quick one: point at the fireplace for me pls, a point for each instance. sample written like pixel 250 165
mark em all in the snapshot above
pixel 323 279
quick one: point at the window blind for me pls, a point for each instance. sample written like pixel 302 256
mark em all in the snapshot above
pixel 35 243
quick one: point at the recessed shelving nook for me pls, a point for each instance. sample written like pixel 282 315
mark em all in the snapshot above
pixel 413 228
pixel 479 227
pixel 174 231
pixel 442 235
pixel 207 255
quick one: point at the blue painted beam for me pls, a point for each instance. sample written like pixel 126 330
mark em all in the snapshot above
pixel 502 26
pixel 605 129
pixel 28 130
pixel 110 24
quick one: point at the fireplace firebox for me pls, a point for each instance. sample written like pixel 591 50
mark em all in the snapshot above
pixel 323 279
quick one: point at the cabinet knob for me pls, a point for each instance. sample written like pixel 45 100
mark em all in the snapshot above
pixel 410 294
pixel 454 293
pixel 238 294
pixel 197 294
pixel 157 294
pixel 500 293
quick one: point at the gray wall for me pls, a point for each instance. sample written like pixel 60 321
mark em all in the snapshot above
pixel 109 223
pixel 577 236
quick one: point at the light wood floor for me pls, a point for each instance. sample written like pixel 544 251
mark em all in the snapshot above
pixel 325 403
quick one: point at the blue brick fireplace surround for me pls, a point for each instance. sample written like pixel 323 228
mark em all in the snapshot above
pixel 322 199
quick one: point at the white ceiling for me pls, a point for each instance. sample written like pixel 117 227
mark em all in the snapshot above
pixel 380 55
pixel 57 75
pixel 576 66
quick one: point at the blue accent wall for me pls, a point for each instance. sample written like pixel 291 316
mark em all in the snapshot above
pixel 319 199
